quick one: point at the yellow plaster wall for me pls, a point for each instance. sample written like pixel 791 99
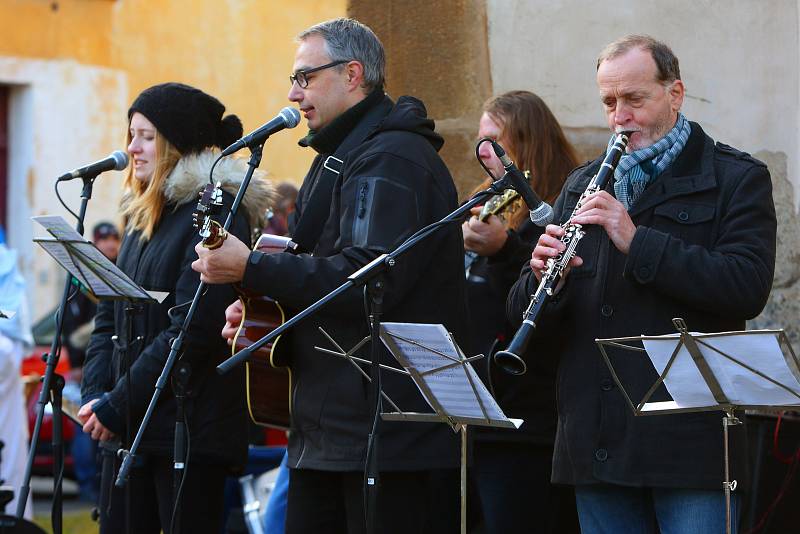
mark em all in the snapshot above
pixel 241 51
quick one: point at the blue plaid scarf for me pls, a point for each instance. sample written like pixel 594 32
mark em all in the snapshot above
pixel 637 169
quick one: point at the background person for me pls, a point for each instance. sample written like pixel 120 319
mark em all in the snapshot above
pixel 511 470
pixel 16 340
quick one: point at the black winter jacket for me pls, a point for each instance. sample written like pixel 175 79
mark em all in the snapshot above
pixel 215 407
pixel 530 396
pixel 704 250
pixel 391 185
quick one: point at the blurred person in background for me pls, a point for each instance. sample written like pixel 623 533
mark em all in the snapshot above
pixel 283 206
pixel 15 341
pixel 511 471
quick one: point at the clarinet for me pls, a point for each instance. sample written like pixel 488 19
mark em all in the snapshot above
pixel 510 360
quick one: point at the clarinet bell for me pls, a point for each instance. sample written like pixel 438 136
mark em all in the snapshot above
pixel 510 362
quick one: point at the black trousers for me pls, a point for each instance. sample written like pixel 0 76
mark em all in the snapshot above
pixel 333 503
pixel 151 486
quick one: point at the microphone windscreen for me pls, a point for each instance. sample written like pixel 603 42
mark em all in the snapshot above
pixel 542 215
pixel 120 160
pixel 291 116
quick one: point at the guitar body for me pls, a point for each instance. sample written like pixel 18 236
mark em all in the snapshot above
pixel 268 378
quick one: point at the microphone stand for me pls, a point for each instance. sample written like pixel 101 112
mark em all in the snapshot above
pixel 370 275
pixel 52 386
pixel 175 348
pixel 361 276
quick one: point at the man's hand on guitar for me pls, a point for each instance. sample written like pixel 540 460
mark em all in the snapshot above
pixel 222 265
pixel 233 318
pixel 484 238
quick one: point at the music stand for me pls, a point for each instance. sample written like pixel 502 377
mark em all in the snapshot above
pixel 104 281
pixel 444 377
pixel 88 265
pixel 705 377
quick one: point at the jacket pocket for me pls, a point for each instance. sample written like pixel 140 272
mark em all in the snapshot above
pixel 688 221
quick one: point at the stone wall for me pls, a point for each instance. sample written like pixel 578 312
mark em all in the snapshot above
pixel 438 52
pixel 783 307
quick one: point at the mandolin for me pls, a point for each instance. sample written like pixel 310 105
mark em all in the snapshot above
pixel 268 381
pixel 508 200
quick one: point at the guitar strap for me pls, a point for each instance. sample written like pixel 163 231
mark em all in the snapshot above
pixel 317 209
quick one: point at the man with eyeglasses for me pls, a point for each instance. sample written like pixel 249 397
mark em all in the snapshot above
pixel 377 179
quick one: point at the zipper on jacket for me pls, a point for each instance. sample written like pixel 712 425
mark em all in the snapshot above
pixel 360 231
pixel 362 200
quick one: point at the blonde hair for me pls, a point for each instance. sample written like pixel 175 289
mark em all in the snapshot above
pixel 143 202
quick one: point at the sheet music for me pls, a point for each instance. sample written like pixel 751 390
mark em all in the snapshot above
pixel 424 348
pixel 85 262
pixel 86 277
pixel 58 227
pixel 761 352
pixel 98 263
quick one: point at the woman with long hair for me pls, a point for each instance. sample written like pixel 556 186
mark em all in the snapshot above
pixel 172 135
pixel 512 468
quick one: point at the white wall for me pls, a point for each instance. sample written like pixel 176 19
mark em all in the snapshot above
pixel 739 61
pixel 59 116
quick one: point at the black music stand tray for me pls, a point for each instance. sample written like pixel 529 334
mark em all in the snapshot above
pixel 445 378
pixel 705 369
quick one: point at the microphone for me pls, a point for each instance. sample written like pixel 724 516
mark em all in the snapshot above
pixel 288 118
pixel 541 212
pixel 115 162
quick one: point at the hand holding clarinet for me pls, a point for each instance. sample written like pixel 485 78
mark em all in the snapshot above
pixel 556 250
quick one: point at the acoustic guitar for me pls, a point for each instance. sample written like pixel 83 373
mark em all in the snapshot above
pixel 268 381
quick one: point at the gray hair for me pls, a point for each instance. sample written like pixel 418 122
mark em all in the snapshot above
pixel 348 40
pixel 667 66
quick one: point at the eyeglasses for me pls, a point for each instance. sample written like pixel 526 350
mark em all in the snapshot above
pixel 301 76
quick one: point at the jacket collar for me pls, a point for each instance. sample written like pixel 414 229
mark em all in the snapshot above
pixel 328 139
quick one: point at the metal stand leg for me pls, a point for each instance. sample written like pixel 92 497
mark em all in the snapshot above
pixel 463 479
pixel 728 485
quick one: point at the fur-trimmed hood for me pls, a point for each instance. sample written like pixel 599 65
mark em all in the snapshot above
pixel 190 175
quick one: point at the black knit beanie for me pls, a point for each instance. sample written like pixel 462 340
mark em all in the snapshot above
pixel 190 119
